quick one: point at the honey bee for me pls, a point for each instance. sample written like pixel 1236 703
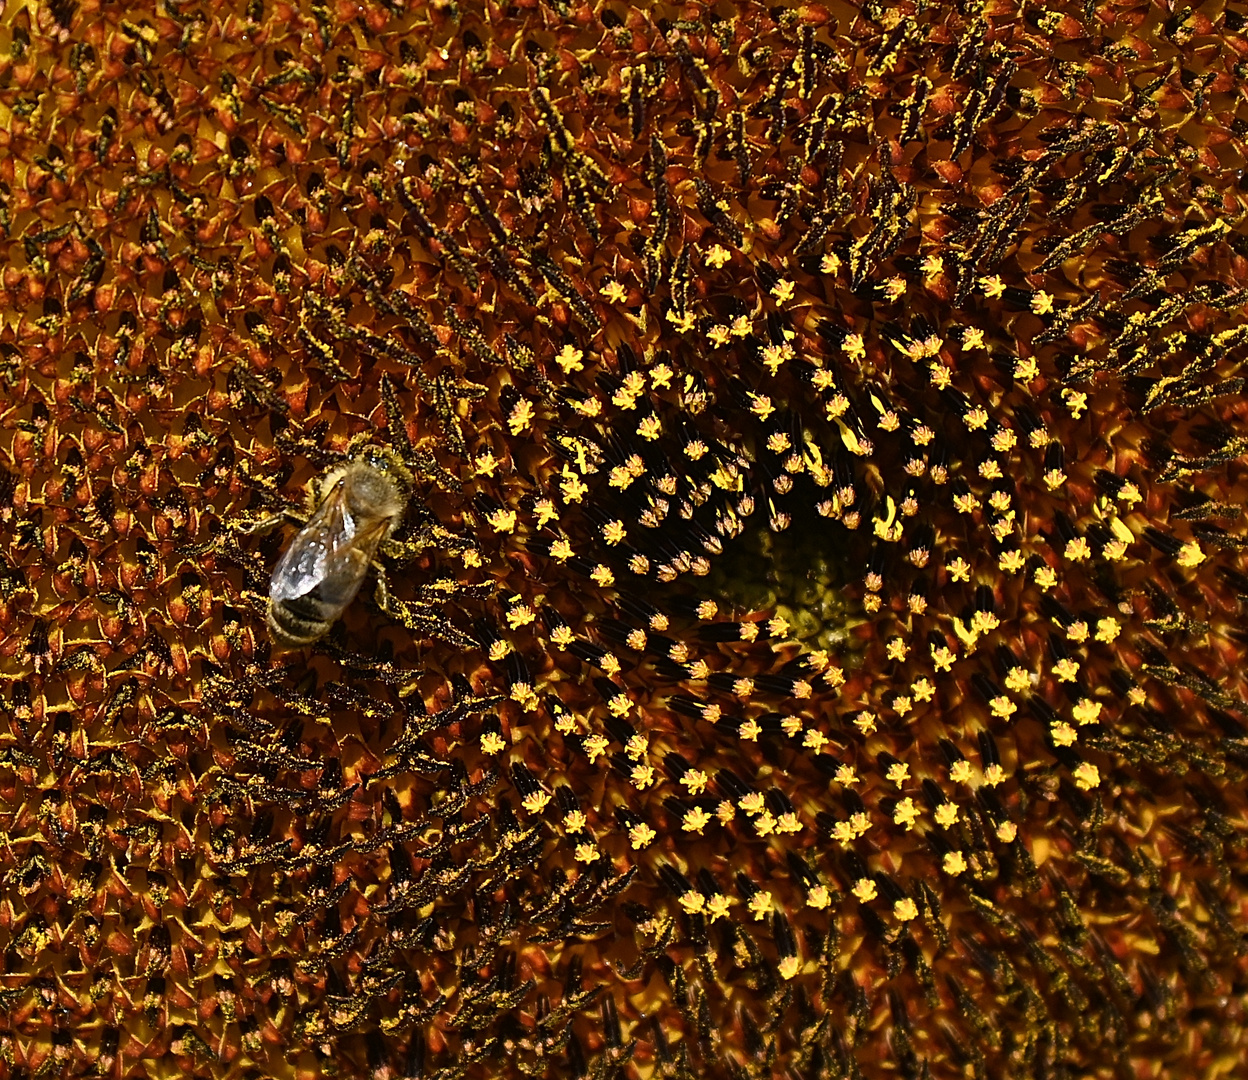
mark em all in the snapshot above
pixel 358 507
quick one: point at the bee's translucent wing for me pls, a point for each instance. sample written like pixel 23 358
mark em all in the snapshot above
pixel 327 561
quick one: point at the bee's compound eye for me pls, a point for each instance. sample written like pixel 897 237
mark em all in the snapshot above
pixel 373 458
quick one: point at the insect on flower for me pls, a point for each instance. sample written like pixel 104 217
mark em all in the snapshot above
pixel 360 504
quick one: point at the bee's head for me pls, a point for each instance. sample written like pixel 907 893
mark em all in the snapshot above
pixel 389 464
pixel 377 484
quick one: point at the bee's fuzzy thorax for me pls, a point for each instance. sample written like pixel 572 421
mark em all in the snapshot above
pixel 375 491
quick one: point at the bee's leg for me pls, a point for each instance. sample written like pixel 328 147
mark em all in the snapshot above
pixel 259 525
pixel 424 538
pixel 265 523
pixel 246 525
pixel 419 616
pixel 235 530
pixel 402 551
pixel 257 601
pixel 381 591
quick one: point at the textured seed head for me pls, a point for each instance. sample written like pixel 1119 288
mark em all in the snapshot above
pixel 812 646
